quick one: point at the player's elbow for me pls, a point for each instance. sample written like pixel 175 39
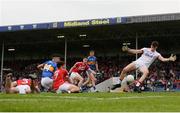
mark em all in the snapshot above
pixel 39 66
pixel 164 60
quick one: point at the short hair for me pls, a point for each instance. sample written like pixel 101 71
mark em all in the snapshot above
pixel 59 64
pixel 85 58
pixel 55 55
pixel 9 75
pixel 155 43
pixel 91 51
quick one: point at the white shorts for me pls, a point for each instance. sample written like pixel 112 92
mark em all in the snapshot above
pixel 74 74
pixel 64 87
pixel 140 64
pixel 46 82
pixel 23 88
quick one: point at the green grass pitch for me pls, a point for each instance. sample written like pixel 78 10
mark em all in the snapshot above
pixel 92 102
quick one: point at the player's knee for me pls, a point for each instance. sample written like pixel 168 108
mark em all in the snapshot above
pixel 93 78
pixel 75 89
pixel 28 91
pixel 146 73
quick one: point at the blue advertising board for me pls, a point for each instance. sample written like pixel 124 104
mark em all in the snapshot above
pixel 59 25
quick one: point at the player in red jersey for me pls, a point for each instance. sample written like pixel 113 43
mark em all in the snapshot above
pixel 21 86
pixel 61 82
pixel 77 69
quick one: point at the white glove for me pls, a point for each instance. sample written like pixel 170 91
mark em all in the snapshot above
pixel 125 48
pixel 172 57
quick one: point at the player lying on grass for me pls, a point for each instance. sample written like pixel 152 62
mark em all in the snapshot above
pixel 48 68
pixel 79 68
pixel 21 86
pixel 149 55
pixel 61 82
pixel 126 85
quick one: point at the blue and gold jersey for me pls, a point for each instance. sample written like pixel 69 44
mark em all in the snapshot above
pixel 49 68
pixel 92 62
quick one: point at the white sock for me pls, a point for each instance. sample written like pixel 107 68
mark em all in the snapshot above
pixel 138 84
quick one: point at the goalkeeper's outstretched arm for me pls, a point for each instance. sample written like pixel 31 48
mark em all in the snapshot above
pixel 171 58
pixel 132 51
pixel 135 51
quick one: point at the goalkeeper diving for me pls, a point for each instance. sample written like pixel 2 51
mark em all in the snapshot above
pixel 148 56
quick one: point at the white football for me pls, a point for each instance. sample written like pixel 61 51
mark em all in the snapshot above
pixel 130 78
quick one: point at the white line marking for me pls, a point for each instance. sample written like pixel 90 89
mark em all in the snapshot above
pixel 49 98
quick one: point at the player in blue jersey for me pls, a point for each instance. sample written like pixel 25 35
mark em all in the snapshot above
pixel 92 62
pixel 48 68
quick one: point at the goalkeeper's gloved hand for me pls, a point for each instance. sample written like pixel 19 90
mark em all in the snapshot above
pixel 172 58
pixel 125 48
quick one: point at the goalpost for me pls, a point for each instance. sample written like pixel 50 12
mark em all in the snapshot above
pixel 136 53
pixel 2 63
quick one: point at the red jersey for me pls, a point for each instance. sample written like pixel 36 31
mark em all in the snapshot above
pixel 24 82
pixel 79 67
pixel 59 78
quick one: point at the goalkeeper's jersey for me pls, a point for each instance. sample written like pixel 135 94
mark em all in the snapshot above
pixel 148 57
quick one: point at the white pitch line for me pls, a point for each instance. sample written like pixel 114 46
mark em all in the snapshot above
pixel 128 97
pixel 80 98
pixel 136 97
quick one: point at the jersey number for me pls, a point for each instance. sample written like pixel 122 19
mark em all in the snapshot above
pixel 47 67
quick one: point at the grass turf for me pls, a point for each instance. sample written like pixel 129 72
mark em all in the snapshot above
pixel 94 102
